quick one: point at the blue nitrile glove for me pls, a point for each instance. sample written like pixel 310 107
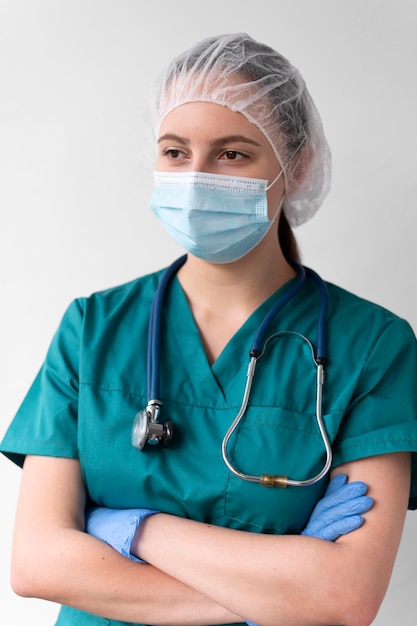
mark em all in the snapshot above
pixel 117 527
pixel 340 510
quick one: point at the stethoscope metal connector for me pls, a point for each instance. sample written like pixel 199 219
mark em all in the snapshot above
pixel 147 429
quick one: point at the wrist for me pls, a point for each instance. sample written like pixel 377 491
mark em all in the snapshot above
pixel 139 546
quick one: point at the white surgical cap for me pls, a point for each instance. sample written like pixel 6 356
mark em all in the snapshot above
pixel 250 78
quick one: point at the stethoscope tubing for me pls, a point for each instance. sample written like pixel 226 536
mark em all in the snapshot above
pixel 257 345
pixel 154 330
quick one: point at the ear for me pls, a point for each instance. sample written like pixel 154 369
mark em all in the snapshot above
pixel 301 165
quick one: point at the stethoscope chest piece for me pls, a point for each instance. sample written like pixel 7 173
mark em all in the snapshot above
pixel 147 429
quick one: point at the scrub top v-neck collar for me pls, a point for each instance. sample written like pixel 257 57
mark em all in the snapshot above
pixel 232 361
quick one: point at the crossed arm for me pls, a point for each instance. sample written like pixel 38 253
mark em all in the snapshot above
pixel 202 574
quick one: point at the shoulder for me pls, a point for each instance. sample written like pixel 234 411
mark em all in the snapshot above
pixel 113 296
pixel 366 341
pixel 117 299
pixel 103 313
pixel 354 314
pixel 342 298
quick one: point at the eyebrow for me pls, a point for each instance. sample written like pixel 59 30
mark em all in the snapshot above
pixel 215 142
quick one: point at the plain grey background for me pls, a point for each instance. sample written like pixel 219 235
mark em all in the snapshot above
pixel 76 178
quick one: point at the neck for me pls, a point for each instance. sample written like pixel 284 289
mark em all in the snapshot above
pixel 234 290
pixel 222 297
pixel 251 279
pixel 245 280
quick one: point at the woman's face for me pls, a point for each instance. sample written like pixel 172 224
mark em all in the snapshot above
pixel 207 137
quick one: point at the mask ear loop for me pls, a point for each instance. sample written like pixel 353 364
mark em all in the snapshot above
pixel 277 177
pixel 280 173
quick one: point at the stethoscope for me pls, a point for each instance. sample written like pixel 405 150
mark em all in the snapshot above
pixel 148 429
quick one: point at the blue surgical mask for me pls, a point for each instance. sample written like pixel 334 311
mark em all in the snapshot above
pixel 214 217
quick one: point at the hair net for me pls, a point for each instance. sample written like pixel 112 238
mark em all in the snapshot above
pixel 253 79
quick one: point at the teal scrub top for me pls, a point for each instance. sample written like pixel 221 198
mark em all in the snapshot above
pixel 93 382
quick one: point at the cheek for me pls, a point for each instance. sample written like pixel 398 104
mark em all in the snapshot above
pixel 161 164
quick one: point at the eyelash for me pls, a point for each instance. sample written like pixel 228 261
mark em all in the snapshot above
pixel 168 152
pixel 175 153
pixel 236 153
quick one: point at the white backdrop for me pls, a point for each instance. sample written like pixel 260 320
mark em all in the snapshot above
pixel 74 79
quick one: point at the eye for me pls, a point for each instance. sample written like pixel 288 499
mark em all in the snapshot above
pixel 173 153
pixel 233 155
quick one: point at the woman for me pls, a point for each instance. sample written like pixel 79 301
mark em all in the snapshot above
pixel 241 153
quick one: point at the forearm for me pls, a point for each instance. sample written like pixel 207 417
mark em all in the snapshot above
pixel 271 580
pixel 291 580
pixel 338 513
pixel 77 570
pixel 54 559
